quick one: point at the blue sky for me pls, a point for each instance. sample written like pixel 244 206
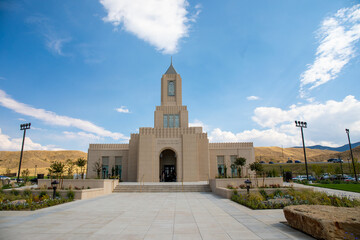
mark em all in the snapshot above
pixel 89 71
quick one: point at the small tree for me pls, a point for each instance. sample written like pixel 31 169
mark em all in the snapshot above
pixel 240 162
pixel 58 169
pixel 25 174
pixel 81 162
pixel 97 168
pixel 70 167
pixel 258 168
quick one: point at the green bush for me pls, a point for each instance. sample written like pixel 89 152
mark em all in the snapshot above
pixel 57 194
pixel 27 192
pixel 14 192
pixel 292 197
pixel 70 194
pixel 42 194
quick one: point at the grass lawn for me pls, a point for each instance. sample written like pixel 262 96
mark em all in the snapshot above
pixel 345 187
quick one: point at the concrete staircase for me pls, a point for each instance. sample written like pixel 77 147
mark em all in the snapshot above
pixel 162 187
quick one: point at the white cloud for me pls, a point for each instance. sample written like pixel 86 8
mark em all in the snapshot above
pixel 14 144
pixel 198 123
pixel 81 135
pixel 326 125
pixel 22 119
pixel 338 35
pixel 252 98
pixel 162 23
pixel 122 109
pixel 54 119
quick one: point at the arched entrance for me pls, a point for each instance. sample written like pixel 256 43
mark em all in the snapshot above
pixel 168 166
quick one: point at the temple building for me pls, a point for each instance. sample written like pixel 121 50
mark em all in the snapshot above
pixel 171 150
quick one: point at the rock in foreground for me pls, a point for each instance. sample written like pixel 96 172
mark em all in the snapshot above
pixel 325 222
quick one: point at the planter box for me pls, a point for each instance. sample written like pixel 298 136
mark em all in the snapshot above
pixel 79 194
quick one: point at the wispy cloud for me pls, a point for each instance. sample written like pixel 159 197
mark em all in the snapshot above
pixel 2 78
pixel 338 35
pixel 252 98
pixel 122 109
pixel 162 23
pixel 55 44
pixel 53 40
pixel 54 119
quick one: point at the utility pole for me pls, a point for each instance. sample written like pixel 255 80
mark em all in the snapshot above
pixel 23 127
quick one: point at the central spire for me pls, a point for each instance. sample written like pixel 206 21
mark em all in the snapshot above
pixel 171 69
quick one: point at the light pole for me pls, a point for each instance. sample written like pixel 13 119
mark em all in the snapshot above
pixel 352 157
pixel 303 125
pixel 22 127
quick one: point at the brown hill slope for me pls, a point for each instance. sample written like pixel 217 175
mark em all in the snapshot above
pixel 42 159
pixel 277 154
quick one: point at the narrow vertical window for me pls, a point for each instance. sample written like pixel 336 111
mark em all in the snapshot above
pixel 105 167
pixel 221 165
pixel 171 121
pixel 171 88
pixel 177 120
pixel 165 120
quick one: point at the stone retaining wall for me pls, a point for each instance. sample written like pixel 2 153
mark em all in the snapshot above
pixel 224 182
pixel 227 193
pixel 108 185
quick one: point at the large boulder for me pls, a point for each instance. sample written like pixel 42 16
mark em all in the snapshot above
pixel 325 222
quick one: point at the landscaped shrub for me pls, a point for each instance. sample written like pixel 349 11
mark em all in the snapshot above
pixel 57 194
pixel 43 194
pixel 27 192
pixel 70 194
pixel 263 193
pixel 9 201
pixel 278 199
pixel 229 186
pixel 14 192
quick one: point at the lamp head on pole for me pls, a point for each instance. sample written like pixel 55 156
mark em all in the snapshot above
pixel 301 124
pixel 347 130
pixel 25 126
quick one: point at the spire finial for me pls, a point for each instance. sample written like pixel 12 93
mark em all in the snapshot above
pixel 171 60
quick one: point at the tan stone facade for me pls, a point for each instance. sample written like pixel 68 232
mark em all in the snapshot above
pixel 171 151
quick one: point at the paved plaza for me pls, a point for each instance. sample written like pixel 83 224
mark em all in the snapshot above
pixel 148 216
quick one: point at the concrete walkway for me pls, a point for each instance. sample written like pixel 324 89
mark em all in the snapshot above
pixel 339 193
pixel 148 216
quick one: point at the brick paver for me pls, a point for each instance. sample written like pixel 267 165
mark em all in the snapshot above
pixel 148 216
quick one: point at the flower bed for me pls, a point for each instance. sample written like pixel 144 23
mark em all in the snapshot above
pixel 26 201
pixel 280 199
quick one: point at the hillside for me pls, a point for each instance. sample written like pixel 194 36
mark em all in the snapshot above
pixel 338 149
pixel 42 159
pixel 277 154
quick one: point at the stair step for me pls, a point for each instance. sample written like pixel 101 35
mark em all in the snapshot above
pixel 162 188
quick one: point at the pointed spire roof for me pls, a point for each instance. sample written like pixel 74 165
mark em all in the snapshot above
pixel 171 69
